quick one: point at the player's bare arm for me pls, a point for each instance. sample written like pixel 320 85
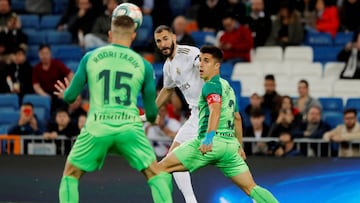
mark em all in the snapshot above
pixel 214 118
pixel 239 133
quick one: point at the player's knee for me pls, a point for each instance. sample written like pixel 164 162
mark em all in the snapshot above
pixel 71 170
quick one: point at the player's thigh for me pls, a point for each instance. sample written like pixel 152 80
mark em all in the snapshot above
pixel 244 181
pixel 134 146
pixel 230 163
pixel 190 156
pixel 188 130
pixel 89 152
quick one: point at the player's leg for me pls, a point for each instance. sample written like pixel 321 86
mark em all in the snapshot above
pixel 234 167
pixel 87 154
pixel 183 179
pixel 137 150
pixel 68 191
pixel 246 182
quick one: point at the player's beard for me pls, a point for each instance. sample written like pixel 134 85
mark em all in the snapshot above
pixel 172 47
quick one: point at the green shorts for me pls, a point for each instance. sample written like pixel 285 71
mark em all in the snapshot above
pixel 224 155
pixel 89 152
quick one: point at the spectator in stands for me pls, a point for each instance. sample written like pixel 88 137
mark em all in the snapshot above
pixel 46 73
pixel 327 17
pixel 286 146
pixel 288 117
pixel 11 37
pixel 27 123
pixel 75 109
pixel 236 42
pixel 287 28
pixel 20 72
pixel 4 78
pixel 351 56
pixel 272 7
pixel 260 23
pixel 308 14
pixel 40 7
pixel 5 13
pixel 61 126
pixel 305 101
pixel 99 34
pixel 80 23
pixel 258 129
pixel 210 14
pixel 350 15
pixel 81 121
pixel 345 133
pixel 271 99
pixel 312 127
pixel 237 9
pixel 255 102
pixel 179 25
pixel 162 134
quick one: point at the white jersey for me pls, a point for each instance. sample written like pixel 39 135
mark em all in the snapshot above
pixel 183 72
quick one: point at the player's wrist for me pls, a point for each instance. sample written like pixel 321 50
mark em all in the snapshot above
pixel 209 137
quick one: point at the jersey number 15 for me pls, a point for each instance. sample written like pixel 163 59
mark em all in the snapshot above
pixel 119 85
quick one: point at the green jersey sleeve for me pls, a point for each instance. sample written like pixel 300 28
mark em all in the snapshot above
pixel 78 82
pixel 149 93
pixel 211 87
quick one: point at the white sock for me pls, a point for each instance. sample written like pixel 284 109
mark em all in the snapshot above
pixel 183 182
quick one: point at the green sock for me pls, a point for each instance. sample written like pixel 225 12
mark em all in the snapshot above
pixel 161 188
pixel 262 195
pixel 68 192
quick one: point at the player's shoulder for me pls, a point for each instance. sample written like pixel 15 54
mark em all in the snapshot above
pixel 187 50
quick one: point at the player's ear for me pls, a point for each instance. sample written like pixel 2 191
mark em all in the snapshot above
pixel 133 36
pixel 110 36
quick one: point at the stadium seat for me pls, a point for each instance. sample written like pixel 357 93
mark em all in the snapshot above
pixel 226 70
pixel 67 52
pixel 9 102
pixel 333 104
pixel 49 22
pixel 306 70
pixel 326 54
pixel 236 85
pixel 249 84
pixel 333 118
pixel 241 70
pixel 42 105
pixel 268 53
pixel 332 70
pixel 59 6
pixel 179 7
pixel 346 88
pixel 277 69
pixel 353 103
pixel 32 52
pixel 9 118
pixel 54 37
pixel 72 65
pixel 318 39
pixel 342 38
pixel 202 38
pixel 144 32
pixel 35 37
pixel 18 5
pixel 298 53
pixel 29 21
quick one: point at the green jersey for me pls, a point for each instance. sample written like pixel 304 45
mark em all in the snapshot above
pixel 115 76
pixel 221 87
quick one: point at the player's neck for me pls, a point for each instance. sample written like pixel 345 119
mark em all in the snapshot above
pixel 122 42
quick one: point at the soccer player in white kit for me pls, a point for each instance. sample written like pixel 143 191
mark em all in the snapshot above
pixel 180 70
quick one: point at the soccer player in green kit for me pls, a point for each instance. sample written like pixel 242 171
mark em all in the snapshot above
pixel 115 75
pixel 219 134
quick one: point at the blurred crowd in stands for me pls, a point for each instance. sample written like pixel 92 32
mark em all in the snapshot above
pixel 30 65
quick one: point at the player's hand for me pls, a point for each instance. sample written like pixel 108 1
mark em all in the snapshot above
pixel 205 148
pixel 61 87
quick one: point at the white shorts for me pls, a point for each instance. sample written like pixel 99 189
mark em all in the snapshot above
pixel 190 128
